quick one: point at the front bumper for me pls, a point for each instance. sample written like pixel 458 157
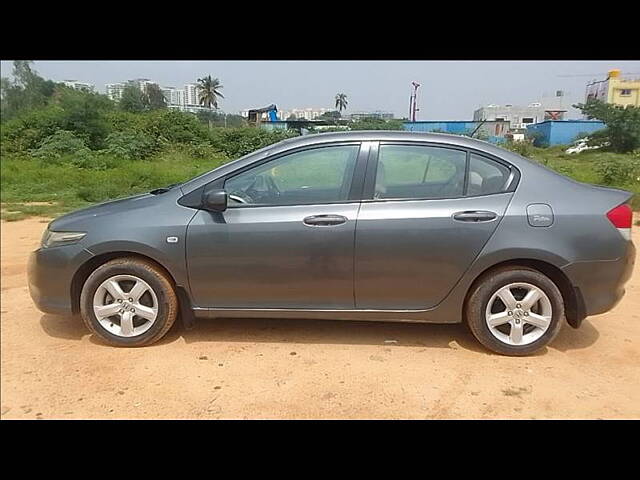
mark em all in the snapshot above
pixel 50 273
pixel 601 283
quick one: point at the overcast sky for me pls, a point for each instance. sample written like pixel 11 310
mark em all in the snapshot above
pixel 449 90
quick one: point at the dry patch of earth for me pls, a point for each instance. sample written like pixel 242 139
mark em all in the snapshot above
pixel 53 368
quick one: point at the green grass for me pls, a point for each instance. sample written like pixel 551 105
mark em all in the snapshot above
pixel 583 167
pixel 61 187
pixel 33 187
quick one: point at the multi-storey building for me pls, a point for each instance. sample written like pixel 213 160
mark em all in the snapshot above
pixel 191 96
pixel 616 90
pixel 185 99
pixel 114 90
pixel 520 117
pixel 89 87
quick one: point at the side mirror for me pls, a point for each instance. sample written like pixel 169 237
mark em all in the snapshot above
pixel 214 200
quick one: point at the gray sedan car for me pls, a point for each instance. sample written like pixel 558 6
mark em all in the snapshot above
pixel 384 226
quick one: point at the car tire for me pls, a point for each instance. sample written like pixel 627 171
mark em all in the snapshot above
pixel 506 330
pixel 129 302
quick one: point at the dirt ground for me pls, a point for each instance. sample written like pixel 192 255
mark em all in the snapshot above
pixel 52 368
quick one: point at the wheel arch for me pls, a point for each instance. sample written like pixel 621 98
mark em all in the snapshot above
pixel 572 297
pixel 83 272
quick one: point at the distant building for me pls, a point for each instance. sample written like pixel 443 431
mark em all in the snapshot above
pixel 521 117
pixel 87 87
pixel 355 116
pixel 615 90
pixel 191 94
pixel 564 132
pixel 114 90
pixel 184 99
pixel 308 113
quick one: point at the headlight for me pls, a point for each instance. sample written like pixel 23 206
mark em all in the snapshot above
pixel 53 239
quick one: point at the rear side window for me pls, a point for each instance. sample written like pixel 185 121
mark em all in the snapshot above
pixel 408 171
pixel 486 176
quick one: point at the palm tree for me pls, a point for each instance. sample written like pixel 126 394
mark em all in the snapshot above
pixel 341 102
pixel 208 92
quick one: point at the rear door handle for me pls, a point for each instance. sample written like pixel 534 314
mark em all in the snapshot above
pixel 475 216
pixel 324 220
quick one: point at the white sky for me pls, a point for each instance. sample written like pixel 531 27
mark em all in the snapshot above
pixel 450 90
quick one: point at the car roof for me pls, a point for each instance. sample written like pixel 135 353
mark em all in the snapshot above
pixel 383 135
pixel 399 136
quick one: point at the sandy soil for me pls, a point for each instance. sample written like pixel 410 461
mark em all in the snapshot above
pixel 53 368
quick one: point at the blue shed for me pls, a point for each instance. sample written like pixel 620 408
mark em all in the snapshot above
pixel 561 132
pixel 494 131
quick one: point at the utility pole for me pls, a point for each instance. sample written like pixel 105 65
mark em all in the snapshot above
pixel 413 102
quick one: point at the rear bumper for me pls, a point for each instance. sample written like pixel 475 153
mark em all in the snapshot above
pixel 50 272
pixel 601 283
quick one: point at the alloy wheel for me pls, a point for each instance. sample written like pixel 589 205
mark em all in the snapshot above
pixel 125 305
pixel 518 314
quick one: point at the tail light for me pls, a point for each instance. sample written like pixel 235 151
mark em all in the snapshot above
pixel 622 217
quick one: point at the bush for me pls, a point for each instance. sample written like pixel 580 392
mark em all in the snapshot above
pixel 29 130
pixel 237 142
pixel 377 124
pixel 172 126
pixel 198 150
pixel 130 146
pixel 58 145
pixel 524 148
pixel 618 171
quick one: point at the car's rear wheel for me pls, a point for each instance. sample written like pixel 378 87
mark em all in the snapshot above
pixel 515 311
pixel 128 302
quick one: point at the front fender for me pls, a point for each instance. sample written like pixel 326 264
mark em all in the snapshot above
pixel 171 256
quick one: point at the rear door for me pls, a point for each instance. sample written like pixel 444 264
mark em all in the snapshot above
pixel 427 212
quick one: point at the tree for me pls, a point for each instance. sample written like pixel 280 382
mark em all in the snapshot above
pixel 154 97
pixel 372 123
pixel 208 92
pixel 334 115
pixel 622 125
pixel 341 102
pixel 83 113
pixel 133 99
pixel 27 91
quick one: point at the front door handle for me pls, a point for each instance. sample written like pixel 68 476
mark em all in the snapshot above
pixel 324 220
pixel 475 216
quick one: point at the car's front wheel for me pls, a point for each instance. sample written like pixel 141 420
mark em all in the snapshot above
pixel 128 302
pixel 515 311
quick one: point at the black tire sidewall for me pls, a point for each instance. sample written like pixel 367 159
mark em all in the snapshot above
pixel 489 285
pixel 131 268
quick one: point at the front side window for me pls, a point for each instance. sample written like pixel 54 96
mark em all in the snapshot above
pixel 319 175
pixel 420 172
pixel 486 176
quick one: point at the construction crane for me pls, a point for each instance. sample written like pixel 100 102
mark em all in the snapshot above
pixel 413 102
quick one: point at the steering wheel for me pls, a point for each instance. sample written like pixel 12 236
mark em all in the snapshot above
pixel 237 198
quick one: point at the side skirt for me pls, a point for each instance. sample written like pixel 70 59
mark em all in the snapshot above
pixel 411 316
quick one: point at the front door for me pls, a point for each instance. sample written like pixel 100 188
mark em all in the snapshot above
pixel 431 211
pixel 286 239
